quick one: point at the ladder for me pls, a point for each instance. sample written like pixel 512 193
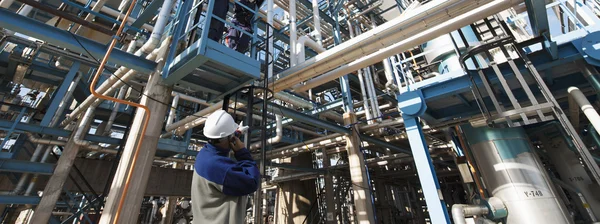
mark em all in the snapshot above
pixel 506 108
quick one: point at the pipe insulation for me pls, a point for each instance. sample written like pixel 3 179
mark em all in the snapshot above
pixel 585 106
pixel 407 34
pixel 124 74
pixel 461 211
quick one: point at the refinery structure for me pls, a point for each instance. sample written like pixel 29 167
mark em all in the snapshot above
pixel 359 111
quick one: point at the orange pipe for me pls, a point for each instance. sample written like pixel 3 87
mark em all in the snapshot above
pixel 146 111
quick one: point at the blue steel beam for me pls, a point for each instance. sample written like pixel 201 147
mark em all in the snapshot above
pixel 59 94
pixel 454 83
pixel 538 17
pixel 22 166
pixel 19 200
pixel 148 13
pixel 56 36
pixel 23 127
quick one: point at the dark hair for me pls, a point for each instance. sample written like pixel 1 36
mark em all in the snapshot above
pixel 214 141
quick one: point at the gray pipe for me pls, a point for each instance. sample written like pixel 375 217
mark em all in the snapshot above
pixel 461 211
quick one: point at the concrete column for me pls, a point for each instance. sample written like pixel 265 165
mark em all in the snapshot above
pixel 330 216
pixel 138 183
pixel 168 209
pixel 54 187
pixel 358 174
pixel 295 198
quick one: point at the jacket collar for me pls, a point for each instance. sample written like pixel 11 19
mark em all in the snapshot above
pixel 217 150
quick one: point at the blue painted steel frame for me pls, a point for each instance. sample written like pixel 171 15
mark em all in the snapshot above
pixel 13 126
pixel 59 94
pixel 412 104
pixel 22 166
pixel 53 35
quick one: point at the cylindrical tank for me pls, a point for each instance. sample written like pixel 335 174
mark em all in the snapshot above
pixel 569 167
pixel 513 173
pixel 442 49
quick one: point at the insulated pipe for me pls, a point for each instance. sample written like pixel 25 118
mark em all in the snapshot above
pixel 585 106
pixel 306 41
pixel 88 117
pixel 43 141
pixel 113 114
pixel 453 20
pixel 270 37
pixel 173 110
pixel 273 140
pixel 317 22
pixel 461 211
pixel 123 74
pixel 99 5
pixel 293 34
pixel 116 14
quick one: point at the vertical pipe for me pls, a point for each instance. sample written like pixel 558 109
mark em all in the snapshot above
pixel 293 34
pixel 317 21
pixel 113 114
pixel 585 106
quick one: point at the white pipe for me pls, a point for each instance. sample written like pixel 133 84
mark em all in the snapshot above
pixel 114 82
pixel 190 98
pixel 116 14
pixel 306 41
pixel 113 114
pixel 273 140
pixel 454 20
pixel 376 113
pixel 88 117
pixel 317 22
pixel 99 5
pixel 173 110
pixel 6 3
pixel 293 34
pixel 585 106
pixel 123 74
pixel 365 99
pixel 460 211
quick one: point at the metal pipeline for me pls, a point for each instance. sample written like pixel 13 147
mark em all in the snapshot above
pixel 80 132
pixel 124 74
pixel 273 140
pixel 145 108
pixel 113 114
pixel 293 34
pixel 585 106
pixel 317 22
pixel 412 33
pixel 460 211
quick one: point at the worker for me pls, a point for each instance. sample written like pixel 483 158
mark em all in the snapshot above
pixel 242 19
pixel 220 9
pixel 220 185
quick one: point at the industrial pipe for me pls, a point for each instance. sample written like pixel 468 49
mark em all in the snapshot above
pixel 116 14
pixel 115 110
pixel 293 33
pixel 276 139
pixel 585 106
pixel 317 22
pixel 88 117
pixel 454 19
pixel 461 211
pixel 368 42
pixel 123 74
pixel 306 41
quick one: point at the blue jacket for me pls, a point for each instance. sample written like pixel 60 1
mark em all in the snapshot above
pixel 220 185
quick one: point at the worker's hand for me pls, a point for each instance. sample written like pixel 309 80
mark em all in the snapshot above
pixel 236 144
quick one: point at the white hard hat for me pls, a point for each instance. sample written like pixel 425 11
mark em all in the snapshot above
pixel 219 125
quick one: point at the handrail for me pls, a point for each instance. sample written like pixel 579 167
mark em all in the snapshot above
pixel 145 108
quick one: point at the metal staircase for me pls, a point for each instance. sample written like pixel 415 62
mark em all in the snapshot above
pixel 513 100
